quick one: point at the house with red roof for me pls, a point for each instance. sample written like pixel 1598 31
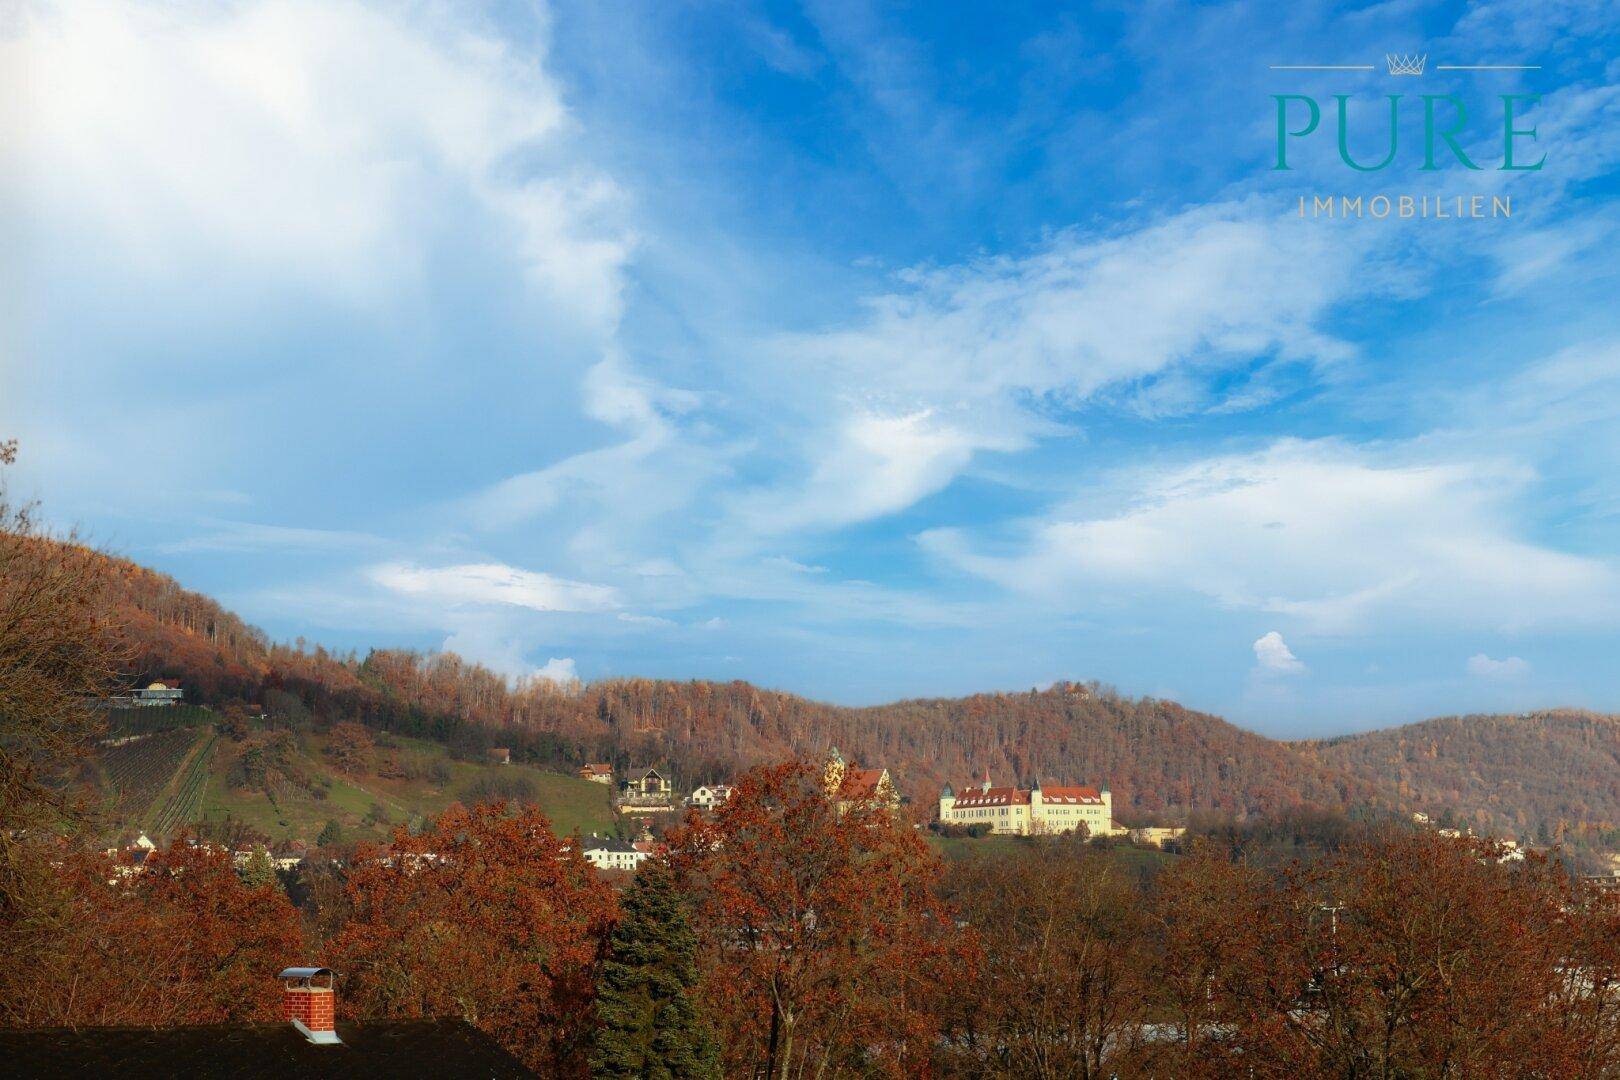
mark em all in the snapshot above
pixel 852 785
pixel 1037 810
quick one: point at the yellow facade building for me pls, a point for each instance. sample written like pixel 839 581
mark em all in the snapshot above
pixel 1032 811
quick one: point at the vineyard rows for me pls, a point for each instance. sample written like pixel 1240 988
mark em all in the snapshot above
pixel 183 805
pixel 136 772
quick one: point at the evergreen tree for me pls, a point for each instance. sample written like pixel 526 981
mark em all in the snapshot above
pixel 648 1025
pixel 259 870
pixel 332 834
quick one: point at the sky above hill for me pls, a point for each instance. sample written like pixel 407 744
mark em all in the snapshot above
pixel 862 350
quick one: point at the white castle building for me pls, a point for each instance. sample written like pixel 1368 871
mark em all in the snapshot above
pixel 1035 811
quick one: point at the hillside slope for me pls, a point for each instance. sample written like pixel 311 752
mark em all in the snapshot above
pixel 1158 757
pixel 284 785
pixel 1534 776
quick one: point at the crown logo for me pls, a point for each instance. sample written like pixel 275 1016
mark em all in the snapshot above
pixel 1401 64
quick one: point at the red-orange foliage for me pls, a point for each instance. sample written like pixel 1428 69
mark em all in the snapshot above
pixel 181 940
pixel 350 748
pixel 1064 989
pixel 1410 955
pixel 486 916
pixel 825 946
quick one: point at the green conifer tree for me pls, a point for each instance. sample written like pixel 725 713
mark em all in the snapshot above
pixel 259 870
pixel 649 1025
pixel 332 834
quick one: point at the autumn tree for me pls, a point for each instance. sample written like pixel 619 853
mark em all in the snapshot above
pixel 57 660
pixel 486 916
pixel 1408 954
pixel 178 939
pixel 1064 987
pixel 824 945
pixel 648 1022
pixel 350 748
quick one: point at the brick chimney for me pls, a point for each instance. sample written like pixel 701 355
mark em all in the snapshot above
pixel 311 1008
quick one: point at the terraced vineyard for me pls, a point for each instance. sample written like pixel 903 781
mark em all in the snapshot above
pixel 137 772
pixel 186 798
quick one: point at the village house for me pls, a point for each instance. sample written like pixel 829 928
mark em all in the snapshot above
pixel 607 853
pixel 164 692
pixel 1029 811
pixel 500 755
pixel 709 796
pixel 648 789
pixel 1157 836
pixel 597 773
pixel 851 785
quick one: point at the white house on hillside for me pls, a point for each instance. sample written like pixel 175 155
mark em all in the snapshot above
pixel 710 796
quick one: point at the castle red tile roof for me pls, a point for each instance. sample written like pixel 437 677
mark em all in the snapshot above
pixel 860 783
pixel 1071 794
pixel 976 797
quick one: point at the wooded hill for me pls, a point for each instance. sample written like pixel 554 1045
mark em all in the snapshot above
pixel 1542 776
pixel 1527 776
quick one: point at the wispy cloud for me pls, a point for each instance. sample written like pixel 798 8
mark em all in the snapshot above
pixel 1336 536
pixel 243 536
pixel 494 583
pixel 1509 667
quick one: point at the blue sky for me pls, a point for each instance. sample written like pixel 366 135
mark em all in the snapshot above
pixel 862 350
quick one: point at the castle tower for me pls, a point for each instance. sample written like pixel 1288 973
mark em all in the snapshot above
pixel 832 773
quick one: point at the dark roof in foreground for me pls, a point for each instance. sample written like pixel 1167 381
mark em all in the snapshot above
pixel 374 1048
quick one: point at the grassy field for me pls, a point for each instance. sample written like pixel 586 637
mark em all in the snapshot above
pixel 178 777
pixel 569 802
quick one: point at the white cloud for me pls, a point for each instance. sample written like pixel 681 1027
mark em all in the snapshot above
pixel 1273 655
pixel 559 670
pixel 1084 312
pixel 1333 535
pixel 325 142
pixel 644 620
pixel 653 471
pixel 971 358
pixel 1510 667
pixel 495 583
pixel 876 465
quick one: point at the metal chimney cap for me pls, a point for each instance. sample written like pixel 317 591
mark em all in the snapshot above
pixel 304 972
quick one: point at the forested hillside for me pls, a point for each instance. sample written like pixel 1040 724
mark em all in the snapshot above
pixel 1539 776
pixel 1525 775
pixel 1158 757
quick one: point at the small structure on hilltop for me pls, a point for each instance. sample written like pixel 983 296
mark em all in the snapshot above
pixel 1029 811
pixel 852 785
pixel 597 773
pixel 160 694
pixel 500 755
